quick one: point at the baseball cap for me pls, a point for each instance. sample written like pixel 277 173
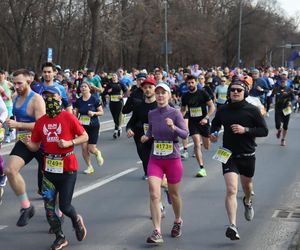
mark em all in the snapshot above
pixel 141 75
pixel 255 71
pixel 149 80
pixel 284 73
pixel 52 90
pixel 164 86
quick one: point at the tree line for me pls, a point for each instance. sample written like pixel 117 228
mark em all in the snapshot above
pixel 107 34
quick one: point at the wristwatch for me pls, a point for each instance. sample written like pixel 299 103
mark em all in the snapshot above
pixel 246 130
pixel 206 117
pixel 73 142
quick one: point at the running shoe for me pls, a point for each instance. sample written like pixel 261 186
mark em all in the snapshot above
pixel 1 194
pixel 89 170
pixel 99 158
pixel 176 229
pixel 155 237
pixel 3 179
pixel 145 177
pixel 80 229
pixel 278 133
pixel 59 243
pixel 168 196
pixel 185 155
pixel 201 173
pixel 232 232
pixel 283 142
pixel 26 214
pixel 115 135
pixel 119 132
pixel 249 211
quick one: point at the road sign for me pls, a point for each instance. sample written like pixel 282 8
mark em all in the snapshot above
pixel 50 55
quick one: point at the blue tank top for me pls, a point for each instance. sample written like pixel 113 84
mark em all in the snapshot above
pixel 21 112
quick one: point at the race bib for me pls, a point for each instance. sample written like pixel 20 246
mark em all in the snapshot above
pixel 287 110
pixel 146 127
pixel 196 112
pixel 21 135
pixel 54 165
pixel 85 120
pixel 163 148
pixel 222 155
pixel 222 96
pixel 114 98
pixel 2 133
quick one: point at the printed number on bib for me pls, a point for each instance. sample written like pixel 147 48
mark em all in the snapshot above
pixel 55 165
pixel 222 155
pixel 287 110
pixel 114 98
pixel 84 120
pixel 163 148
pixel 21 135
pixel 146 127
pixel 2 132
pixel 196 112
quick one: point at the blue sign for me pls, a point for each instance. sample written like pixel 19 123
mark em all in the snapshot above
pixel 50 54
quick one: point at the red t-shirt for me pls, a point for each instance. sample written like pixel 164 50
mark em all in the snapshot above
pixel 49 131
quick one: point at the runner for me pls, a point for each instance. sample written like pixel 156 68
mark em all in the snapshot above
pixel 3 117
pixel 196 102
pixel 57 130
pixel 115 90
pixel 28 107
pixel 242 123
pixel 165 126
pixel 221 92
pixel 136 96
pixel 138 124
pixel 283 108
pixel 88 108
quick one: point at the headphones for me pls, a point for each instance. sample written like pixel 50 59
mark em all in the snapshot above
pixel 241 83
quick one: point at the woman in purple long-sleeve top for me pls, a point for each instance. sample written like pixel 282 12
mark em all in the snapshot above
pixel 166 124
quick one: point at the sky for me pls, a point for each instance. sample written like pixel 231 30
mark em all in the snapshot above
pixel 290 6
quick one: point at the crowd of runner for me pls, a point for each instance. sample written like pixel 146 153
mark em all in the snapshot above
pixel 47 115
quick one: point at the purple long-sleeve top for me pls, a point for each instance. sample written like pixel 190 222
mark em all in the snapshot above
pixel 160 131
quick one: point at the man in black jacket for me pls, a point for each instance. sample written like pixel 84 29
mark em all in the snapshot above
pixel 242 123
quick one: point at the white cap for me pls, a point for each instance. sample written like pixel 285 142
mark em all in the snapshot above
pixel 164 86
pixel 284 73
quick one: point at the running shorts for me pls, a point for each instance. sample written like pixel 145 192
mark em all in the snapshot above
pixel 243 166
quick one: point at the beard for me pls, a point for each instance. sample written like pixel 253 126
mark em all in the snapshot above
pixel 192 88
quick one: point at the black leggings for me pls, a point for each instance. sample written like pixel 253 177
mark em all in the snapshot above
pixel 116 109
pixel 144 151
pixel 64 185
pixel 281 118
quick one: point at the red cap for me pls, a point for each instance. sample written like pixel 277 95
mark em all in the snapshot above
pixel 149 80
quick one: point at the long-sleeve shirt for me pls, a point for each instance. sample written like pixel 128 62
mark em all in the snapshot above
pixel 161 132
pixel 246 115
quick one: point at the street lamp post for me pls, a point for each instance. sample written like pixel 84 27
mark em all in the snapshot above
pixel 166 35
pixel 240 34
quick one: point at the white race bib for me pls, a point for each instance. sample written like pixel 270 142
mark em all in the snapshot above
pixel 196 112
pixel 146 127
pixel 2 133
pixel 222 155
pixel 163 148
pixel 114 98
pixel 287 110
pixel 85 120
pixel 22 134
pixel 54 165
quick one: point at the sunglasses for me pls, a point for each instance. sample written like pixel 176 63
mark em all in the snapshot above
pixel 235 89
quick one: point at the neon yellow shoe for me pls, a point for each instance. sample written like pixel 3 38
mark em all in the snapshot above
pixel 201 173
pixel 89 170
pixel 99 158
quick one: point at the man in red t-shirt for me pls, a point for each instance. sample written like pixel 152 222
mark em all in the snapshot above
pixel 59 131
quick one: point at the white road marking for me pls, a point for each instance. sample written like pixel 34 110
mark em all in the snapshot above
pixel 2 227
pixel 103 182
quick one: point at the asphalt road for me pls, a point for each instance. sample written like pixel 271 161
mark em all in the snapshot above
pixel 114 202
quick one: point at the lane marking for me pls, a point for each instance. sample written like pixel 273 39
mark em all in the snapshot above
pixel 103 182
pixel 2 227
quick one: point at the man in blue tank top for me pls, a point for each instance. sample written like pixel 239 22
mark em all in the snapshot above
pixel 28 107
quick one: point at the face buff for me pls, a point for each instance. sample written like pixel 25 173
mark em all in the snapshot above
pixel 53 107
